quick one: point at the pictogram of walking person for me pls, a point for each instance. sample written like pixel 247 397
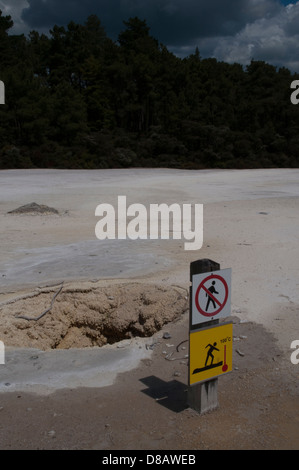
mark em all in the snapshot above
pixel 210 352
pixel 210 299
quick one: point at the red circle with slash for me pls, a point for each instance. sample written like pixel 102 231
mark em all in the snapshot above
pixel 202 286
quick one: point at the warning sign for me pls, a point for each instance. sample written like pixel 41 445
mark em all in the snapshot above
pixel 211 351
pixel 211 294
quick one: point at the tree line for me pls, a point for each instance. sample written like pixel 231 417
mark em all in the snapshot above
pixel 77 99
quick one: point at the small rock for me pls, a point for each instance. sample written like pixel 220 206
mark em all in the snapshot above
pixel 52 433
pixel 33 207
pixel 177 374
pixel 166 336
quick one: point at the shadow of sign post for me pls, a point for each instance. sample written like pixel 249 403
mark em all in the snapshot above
pixel 171 395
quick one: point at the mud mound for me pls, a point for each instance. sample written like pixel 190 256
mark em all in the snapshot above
pixel 34 208
pixel 93 316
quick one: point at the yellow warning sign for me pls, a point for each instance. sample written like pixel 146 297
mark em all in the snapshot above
pixel 211 352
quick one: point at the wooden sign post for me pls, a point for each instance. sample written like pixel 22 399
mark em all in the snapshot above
pixel 210 344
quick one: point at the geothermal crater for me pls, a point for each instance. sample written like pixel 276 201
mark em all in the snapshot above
pixel 89 316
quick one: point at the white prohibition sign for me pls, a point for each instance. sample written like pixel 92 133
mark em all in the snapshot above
pixel 211 294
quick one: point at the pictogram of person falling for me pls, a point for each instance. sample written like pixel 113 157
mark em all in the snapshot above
pixel 211 349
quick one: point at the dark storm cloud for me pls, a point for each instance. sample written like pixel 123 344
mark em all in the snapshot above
pixel 174 22
pixel 46 13
pixel 230 30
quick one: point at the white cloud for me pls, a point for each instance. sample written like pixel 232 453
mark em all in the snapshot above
pixel 14 8
pixel 274 39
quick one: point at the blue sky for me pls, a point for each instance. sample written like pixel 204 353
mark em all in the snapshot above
pixel 230 30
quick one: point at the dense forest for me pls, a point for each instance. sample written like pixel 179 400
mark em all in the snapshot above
pixel 77 99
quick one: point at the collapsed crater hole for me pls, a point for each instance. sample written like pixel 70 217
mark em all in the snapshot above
pixel 93 316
